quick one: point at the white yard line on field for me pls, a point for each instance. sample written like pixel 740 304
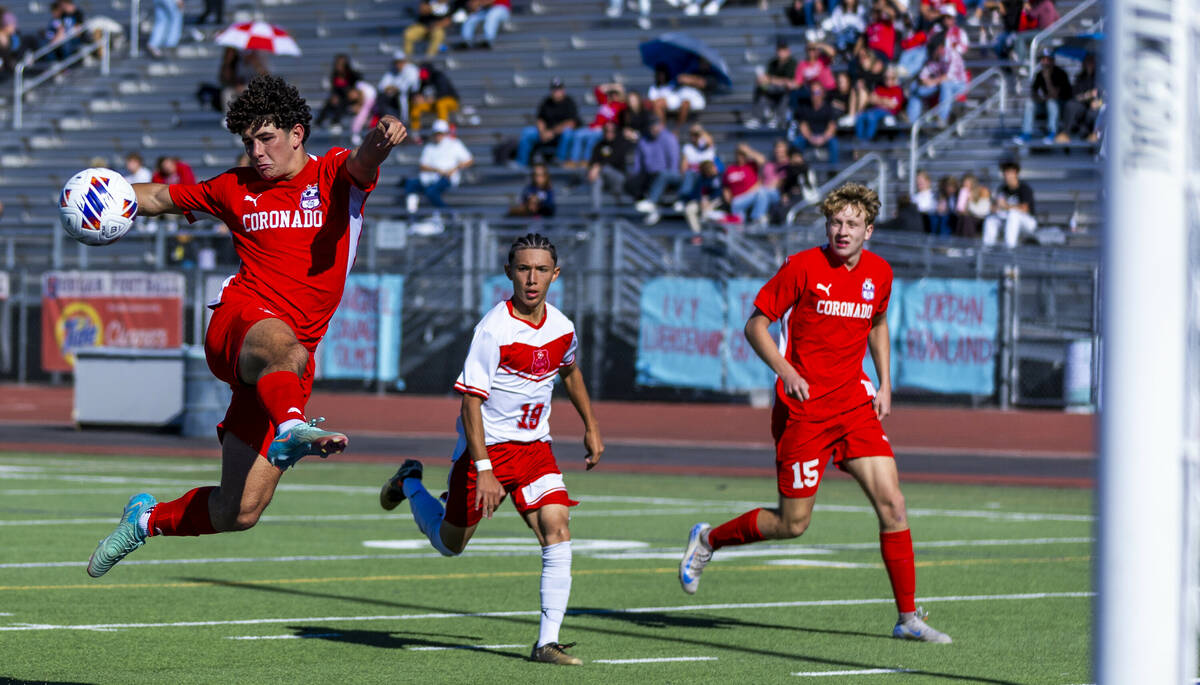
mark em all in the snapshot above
pixel 24 627
pixel 655 660
pixel 863 671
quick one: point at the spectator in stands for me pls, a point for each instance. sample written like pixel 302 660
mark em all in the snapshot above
pixel 815 124
pixel 436 94
pixel 1081 111
pixel 1050 92
pixel 698 149
pixel 492 14
pixel 944 218
pixel 610 103
pixel 799 183
pixel 693 8
pixel 557 117
pixel 1044 14
pixel 844 100
pixel 433 18
pixel 772 85
pixel 814 69
pixel 670 96
pixel 168 26
pixel 65 16
pixel 883 106
pixel 1012 209
pixel 637 117
pixel 227 77
pixel 608 164
pixel 362 105
pixel 773 172
pixel 135 169
pixel 172 170
pixel 214 9
pixel 703 199
pixel 845 24
pixel 804 12
pixel 908 218
pixel 944 75
pixel 867 73
pixel 643 22
pixel 743 191
pixel 880 34
pixel 537 198
pixel 441 165
pixel 974 204
pixel 655 167
pixel 10 43
pixel 343 78
pixel 932 12
pixel 397 86
pixel 925 199
pixel 1016 17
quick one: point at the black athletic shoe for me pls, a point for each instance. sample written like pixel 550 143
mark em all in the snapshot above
pixel 392 492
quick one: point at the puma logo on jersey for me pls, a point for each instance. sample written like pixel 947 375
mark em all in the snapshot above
pixel 252 198
pixel 295 410
pixel 825 287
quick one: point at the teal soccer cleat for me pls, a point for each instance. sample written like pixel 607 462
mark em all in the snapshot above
pixel 302 440
pixel 124 539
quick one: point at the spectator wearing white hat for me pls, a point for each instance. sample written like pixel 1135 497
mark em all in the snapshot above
pixel 947 24
pixel 397 86
pixel 442 162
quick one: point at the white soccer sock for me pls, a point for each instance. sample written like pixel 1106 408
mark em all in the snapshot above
pixel 287 426
pixel 427 511
pixel 143 522
pixel 556 589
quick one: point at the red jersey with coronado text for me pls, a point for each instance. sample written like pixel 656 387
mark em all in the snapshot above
pixel 296 238
pixel 513 364
pixel 827 311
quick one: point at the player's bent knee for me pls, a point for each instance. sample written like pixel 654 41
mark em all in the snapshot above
pixel 794 528
pixel 892 511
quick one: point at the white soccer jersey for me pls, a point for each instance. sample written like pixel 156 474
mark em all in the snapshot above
pixel 512 365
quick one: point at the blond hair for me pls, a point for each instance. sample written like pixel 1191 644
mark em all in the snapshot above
pixel 852 195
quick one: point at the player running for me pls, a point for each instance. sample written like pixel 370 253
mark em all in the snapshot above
pixel 519 348
pixel 295 220
pixel 832 300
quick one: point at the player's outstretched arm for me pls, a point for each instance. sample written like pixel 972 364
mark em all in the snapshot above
pixel 154 199
pixel 488 491
pixel 378 143
pixel 879 342
pixel 577 392
pixel 760 339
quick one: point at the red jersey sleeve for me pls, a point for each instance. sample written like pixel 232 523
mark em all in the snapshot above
pixel 206 196
pixel 885 289
pixel 783 290
pixel 334 170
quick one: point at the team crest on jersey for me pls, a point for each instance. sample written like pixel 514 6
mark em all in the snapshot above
pixel 868 290
pixel 310 198
pixel 541 362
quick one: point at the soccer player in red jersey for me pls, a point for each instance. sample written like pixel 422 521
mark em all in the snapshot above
pixel 295 219
pixel 520 348
pixel 832 301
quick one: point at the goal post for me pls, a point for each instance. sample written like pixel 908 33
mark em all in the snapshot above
pixel 1146 597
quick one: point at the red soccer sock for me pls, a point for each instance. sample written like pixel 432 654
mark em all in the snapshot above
pixel 282 396
pixel 897 553
pixel 740 531
pixel 187 515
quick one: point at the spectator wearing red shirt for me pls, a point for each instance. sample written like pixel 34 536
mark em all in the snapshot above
pixel 610 103
pixel 172 170
pixel 880 35
pixel 943 75
pixel 886 101
pixel 741 187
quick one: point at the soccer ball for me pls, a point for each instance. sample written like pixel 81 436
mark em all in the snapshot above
pixel 97 206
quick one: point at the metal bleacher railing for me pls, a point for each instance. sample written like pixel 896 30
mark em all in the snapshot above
pixel 23 85
pixel 1070 20
pixel 996 101
pixel 853 172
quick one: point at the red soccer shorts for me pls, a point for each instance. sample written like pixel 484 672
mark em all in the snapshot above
pixel 804 448
pixel 246 418
pixel 526 470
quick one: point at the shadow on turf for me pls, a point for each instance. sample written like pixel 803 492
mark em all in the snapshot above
pixel 653 621
pixel 386 639
pixel 18 681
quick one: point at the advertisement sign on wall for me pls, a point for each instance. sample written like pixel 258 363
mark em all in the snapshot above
pixel 363 340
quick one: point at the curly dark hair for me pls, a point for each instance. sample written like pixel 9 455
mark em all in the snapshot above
pixel 268 100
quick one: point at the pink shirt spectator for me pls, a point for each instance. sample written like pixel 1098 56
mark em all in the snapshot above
pixel 1046 13
pixel 815 70
pixel 773 173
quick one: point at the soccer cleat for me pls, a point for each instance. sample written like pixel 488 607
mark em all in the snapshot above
pixel 302 440
pixel 695 557
pixel 392 492
pixel 126 538
pixel 915 628
pixel 554 653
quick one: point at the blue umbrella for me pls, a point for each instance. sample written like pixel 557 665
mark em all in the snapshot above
pixel 681 53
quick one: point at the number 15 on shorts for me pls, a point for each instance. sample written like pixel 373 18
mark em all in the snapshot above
pixel 806 474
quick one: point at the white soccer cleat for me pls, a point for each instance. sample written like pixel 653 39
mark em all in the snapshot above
pixel 695 557
pixel 915 628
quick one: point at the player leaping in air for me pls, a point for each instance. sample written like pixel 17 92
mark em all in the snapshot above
pixel 833 301
pixel 520 347
pixel 295 220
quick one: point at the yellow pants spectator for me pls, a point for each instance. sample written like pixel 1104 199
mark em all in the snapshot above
pixel 436 34
pixel 443 106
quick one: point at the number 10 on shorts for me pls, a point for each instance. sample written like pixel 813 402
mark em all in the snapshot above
pixel 805 474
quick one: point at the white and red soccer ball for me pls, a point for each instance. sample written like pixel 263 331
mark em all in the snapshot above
pixel 97 206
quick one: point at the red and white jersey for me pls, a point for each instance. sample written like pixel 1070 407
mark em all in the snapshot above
pixel 512 365
pixel 828 311
pixel 296 238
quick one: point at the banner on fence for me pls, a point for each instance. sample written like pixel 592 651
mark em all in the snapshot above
pixel 943 334
pixel 682 334
pixel 499 288
pixel 944 338
pixel 110 309
pixel 363 340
